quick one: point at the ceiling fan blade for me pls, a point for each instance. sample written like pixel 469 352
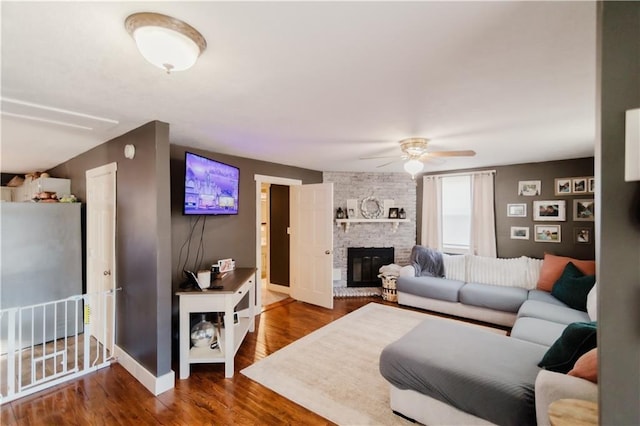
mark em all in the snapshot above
pixel 464 153
pixel 378 157
pixel 389 162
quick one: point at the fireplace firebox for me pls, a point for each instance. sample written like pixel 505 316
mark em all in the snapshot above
pixel 363 264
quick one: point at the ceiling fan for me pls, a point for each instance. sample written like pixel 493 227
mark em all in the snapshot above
pixel 414 150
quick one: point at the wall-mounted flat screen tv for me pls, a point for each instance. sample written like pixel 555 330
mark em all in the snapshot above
pixel 210 187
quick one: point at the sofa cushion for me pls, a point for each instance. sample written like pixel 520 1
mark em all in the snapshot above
pixel 551 312
pixel 544 296
pixel 497 271
pixel 552 268
pixel 573 287
pixel 506 299
pixel 576 340
pixel 455 266
pixel 537 330
pixel 592 302
pixel 433 287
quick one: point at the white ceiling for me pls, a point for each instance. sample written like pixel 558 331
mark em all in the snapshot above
pixel 309 84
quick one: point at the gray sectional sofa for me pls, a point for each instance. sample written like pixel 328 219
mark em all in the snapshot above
pixel 444 372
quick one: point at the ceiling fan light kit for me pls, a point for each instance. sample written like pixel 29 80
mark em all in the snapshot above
pixel 166 42
pixel 413 167
pixel 414 150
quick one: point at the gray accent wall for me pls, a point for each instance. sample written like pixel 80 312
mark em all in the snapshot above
pixel 143 239
pixel 223 236
pixel 506 192
pixel 618 242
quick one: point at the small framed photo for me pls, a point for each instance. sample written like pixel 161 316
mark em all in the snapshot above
pixel 517 210
pixel 550 210
pixel 393 212
pixel 352 208
pixel 225 265
pixel 563 186
pixel 579 185
pixel 519 232
pixel 529 188
pixel 582 235
pixel 547 233
pixel 584 210
pixel 591 185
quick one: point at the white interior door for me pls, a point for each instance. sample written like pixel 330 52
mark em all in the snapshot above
pixel 312 244
pixel 101 274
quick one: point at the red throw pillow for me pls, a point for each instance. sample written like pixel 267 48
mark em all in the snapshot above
pixel 586 367
pixel 552 267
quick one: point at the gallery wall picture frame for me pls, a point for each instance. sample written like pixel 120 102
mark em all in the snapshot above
pixel 550 210
pixel 529 188
pixel 393 212
pixel 584 210
pixel 517 210
pixel 519 233
pixel 582 235
pixel 591 185
pixel 579 185
pixel 547 234
pixel 563 186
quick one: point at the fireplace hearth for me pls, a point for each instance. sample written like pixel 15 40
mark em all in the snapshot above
pixel 363 265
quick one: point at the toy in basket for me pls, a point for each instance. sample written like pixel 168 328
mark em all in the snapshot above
pixel 389 288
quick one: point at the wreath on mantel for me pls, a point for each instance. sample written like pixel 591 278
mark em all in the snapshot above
pixel 371 208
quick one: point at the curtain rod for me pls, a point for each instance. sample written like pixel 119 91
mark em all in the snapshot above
pixel 478 172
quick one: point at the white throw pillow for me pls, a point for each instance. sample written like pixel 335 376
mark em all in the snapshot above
pixel 497 271
pixel 454 266
pixel 592 303
pixel 533 272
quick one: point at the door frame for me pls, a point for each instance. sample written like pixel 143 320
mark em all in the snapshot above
pixel 260 179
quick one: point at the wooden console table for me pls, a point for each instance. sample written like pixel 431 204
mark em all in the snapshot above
pixel 237 284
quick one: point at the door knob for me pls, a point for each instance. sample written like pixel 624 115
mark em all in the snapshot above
pixel 327 252
pixel 105 273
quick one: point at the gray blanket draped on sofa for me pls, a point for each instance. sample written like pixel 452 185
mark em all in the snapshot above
pixel 427 262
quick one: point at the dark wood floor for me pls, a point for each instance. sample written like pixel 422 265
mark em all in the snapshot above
pixel 112 396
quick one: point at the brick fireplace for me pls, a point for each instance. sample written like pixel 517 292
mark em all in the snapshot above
pixel 398 187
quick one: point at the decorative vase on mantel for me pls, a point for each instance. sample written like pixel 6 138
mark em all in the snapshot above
pixel 402 214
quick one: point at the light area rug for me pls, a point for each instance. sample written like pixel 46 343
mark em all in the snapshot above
pixel 334 370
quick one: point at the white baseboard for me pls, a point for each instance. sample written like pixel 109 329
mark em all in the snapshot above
pixel 155 385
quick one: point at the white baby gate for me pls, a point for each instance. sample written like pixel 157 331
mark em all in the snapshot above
pixel 47 344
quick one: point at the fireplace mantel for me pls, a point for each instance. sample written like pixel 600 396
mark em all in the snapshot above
pixel 346 222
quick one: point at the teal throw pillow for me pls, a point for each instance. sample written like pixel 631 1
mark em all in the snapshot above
pixel 573 287
pixel 576 340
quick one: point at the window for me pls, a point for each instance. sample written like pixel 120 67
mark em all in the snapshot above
pixel 456 214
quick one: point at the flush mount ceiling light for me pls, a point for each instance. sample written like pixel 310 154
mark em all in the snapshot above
pixel 165 42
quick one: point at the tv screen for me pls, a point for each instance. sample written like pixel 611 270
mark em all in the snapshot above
pixel 210 187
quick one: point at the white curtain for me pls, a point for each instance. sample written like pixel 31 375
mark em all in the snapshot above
pixel 483 223
pixel 431 234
